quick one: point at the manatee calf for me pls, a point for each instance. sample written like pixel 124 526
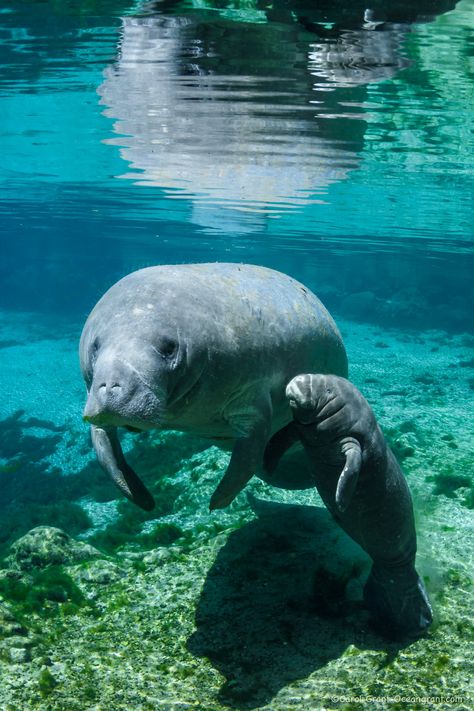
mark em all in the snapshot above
pixel 362 485
pixel 206 349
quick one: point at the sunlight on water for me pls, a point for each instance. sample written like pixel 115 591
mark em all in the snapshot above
pixel 199 124
pixel 230 130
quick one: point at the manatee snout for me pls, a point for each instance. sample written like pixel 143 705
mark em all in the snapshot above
pixel 118 396
pixel 303 398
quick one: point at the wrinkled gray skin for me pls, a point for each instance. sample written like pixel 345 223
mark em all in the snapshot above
pixel 362 485
pixel 202 348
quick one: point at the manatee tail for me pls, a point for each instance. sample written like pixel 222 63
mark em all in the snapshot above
pixel 398 600
pixel 110 456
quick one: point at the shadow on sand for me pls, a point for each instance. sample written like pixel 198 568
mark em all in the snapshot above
pixel 280 602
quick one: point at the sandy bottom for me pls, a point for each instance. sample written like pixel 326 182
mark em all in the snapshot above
pixel 256 606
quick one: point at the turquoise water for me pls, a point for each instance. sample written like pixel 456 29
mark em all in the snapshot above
pixel 330 144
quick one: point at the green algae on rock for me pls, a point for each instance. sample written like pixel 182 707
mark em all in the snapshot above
pixel 44 546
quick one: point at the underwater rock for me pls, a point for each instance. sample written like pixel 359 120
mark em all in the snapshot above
pixel 407 305
pixel 15 645
pixel 405 439
pixel 159 556
pixel 9 625
pixel 17 650
pixel 405 445
pixel 99 572
pixel 44 546
pixel 20 655
pixel 455 484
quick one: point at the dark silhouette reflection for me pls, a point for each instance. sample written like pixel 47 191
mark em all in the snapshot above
pixel 361 42
pixel 281 602
pixel 350 14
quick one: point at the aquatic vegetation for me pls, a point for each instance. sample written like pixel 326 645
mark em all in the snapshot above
pixel 127 530
pixel 46 682
pixel 452 478
pixel 41 593
pixel 402 442
pixel 9 625
pixel 242 604
pixel 127 527
pixel 448 484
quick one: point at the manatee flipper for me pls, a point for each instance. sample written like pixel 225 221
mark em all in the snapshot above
pixel 252 426
pixel 238 474
pixel 278 445
pixel 286 472
pixel 349 476
pixel 110 456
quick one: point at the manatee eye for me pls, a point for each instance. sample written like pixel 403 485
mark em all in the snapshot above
pixel 167 347
pixel 94 349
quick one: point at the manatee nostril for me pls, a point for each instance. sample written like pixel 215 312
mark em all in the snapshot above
pixel 105 388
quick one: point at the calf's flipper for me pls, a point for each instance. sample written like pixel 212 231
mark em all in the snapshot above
pixel 349 476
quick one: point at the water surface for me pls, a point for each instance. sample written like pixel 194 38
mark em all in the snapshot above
pixel 335 148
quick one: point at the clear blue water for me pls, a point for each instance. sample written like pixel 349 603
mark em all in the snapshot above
pixel 328 140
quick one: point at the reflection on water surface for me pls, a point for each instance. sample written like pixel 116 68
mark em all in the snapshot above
pixel 331 141
pixel 254 115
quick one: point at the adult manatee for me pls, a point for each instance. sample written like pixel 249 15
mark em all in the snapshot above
pixel 201 348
